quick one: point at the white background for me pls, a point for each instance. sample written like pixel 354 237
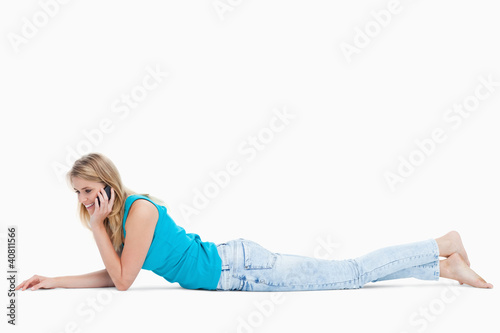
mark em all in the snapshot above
pixel 318 181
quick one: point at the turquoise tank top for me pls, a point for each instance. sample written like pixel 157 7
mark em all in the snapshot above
pixel 178 256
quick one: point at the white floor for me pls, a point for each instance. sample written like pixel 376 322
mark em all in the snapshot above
pixel 399 306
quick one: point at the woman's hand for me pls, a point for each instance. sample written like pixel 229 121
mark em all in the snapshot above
pixel 102 211
pixel 37 282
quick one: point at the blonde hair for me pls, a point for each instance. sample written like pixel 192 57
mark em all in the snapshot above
pixel 96 167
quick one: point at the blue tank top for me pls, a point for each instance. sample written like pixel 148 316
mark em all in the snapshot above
pixel 178 256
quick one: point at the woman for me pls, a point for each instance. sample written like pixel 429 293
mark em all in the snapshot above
pixel 134 231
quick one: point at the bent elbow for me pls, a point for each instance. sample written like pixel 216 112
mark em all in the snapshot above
pixel 122 287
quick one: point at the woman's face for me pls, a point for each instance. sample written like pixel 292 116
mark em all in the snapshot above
pixel 87 192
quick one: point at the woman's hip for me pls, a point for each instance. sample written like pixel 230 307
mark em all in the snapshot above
pixel 248 266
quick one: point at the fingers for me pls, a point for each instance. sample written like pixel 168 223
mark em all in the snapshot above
pixel 20 285
pixel 106 202
pixel 27 283
pixel 98 204
pixel 24 284
pixel 37 286
pixel 102 204
pixel 103 196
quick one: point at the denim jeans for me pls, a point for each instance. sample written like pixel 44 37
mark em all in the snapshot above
pixel 247 266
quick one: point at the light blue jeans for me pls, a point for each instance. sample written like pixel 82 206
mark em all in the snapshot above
pixel 247 266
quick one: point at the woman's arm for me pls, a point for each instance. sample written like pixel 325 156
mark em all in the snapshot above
pixel 97 279
pixel 90 280
pixel 140 227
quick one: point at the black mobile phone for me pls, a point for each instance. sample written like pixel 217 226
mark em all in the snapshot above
pixel 107 189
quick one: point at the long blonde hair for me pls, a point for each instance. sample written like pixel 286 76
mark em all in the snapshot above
pixel 96 167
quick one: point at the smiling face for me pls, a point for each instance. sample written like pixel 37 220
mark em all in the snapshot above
pixel 87 192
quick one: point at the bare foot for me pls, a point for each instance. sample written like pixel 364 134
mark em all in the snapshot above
pixel 452 243
pixel 456 268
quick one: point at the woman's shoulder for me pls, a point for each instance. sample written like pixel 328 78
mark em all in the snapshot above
pixel 135 206
pixel 140 212
pixel 134 200
pixel 143 207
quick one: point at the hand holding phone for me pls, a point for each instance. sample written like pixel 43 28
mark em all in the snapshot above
pixel 107 189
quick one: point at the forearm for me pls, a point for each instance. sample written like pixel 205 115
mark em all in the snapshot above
pixel 96 279
pixel 110 258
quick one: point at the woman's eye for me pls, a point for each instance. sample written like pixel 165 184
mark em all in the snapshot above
pixel 88 191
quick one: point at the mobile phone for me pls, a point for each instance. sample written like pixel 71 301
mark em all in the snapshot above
pixel 107 189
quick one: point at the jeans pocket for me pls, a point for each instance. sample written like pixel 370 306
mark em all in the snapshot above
pixel 256 256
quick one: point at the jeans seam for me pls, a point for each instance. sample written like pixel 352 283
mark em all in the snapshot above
pixel 306 285
pixel 393 262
